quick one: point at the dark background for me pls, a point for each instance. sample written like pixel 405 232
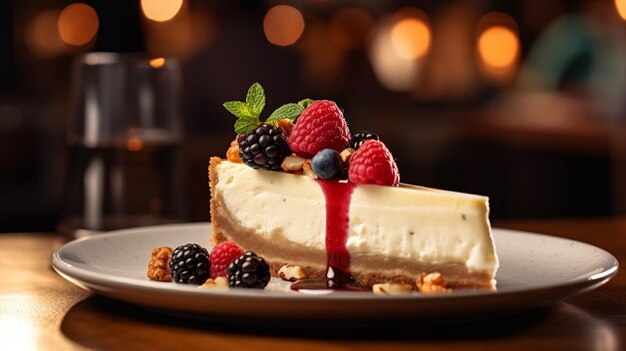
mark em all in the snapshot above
pixel 542 137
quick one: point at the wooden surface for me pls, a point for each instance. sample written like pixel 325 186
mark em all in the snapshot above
pixel 39 310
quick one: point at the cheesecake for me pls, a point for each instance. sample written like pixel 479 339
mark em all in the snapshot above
pixel 391 234
pixel 300 190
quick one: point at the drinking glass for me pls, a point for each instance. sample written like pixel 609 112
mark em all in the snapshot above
pixel 123 141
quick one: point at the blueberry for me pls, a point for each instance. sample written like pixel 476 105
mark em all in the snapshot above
pixel 327 164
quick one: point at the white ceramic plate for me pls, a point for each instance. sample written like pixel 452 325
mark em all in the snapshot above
pixel 535 270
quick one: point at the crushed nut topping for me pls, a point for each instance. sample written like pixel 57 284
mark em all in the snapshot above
pixel 286 126
pixel 158 268
pixel 391 289
pixel 346 155
pixel 431 283
pixel 307 169
pixel 220 283
pixel 291 273
pixel 232 154
pixel 292 163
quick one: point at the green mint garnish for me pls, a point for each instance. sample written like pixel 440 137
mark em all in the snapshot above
pixel 239 109
pixel 304 103
pixel 255 99
pixel 289 111
pixel 248 113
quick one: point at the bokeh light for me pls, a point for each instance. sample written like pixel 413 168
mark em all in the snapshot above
pixel 410 33
pixel 498 47
pixel 78 24
pixel 42 35
pixel 410 38
pixel 620 5
pixel 283 25
pixel 395 72
pixel 157 62
pixel 161 10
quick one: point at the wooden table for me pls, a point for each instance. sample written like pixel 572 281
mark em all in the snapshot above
pixel 39 310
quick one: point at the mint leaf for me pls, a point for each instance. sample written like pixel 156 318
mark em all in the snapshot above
pixel 239 109
pixel 244 126
pixel 255 99
pixel 305 103
pixel 289 111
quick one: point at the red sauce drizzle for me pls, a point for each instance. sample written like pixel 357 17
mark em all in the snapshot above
pixel 337 275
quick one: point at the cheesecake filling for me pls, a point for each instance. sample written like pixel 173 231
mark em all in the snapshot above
pixel 405 224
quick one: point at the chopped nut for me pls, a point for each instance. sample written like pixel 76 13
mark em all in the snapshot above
pixel 286 126
pixel 232 154
pixel 307 169
pixel 346 155
pixel 158 268
pixel 291 273
pixel 292 163
pixel 391 289
pixel 220 283
pixel 431 283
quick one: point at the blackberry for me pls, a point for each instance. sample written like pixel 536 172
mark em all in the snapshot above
pixel 248 271
pixel 189 264
pixel 359 138
pixel 265 148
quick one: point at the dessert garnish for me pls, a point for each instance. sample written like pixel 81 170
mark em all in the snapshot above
pixel 221 256
pixel 431 283
pixel 189 264
pixel 291 273
pixel 327 164
pixel 226 265
pixel 392 289
pixel 372 163
pixel 320 126
pixel 219 283
pixel 158 266
pixel 249 271
pixel 359 138
pixel 262 145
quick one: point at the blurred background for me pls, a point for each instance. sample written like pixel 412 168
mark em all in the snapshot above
pixel 523 101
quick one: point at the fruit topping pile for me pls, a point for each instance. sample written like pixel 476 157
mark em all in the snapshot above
pixel 309 137
pixel 226 266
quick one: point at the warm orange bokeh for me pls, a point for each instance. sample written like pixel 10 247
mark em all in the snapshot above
pixel 157 62
pixel 498 47
pixel 410 38
pixel 620 5
pixel 283 25
pixel 78 24
pixel 161 10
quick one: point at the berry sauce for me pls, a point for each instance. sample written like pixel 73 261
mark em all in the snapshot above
pixel 337 275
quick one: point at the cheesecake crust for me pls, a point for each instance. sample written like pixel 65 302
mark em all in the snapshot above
pixel 366 269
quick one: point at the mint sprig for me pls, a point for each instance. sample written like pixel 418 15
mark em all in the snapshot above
pixel 248 113
pixel 290 111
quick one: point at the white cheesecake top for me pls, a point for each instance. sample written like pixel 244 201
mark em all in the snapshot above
pixel 407 222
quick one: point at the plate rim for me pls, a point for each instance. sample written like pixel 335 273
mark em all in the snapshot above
pixel 87 279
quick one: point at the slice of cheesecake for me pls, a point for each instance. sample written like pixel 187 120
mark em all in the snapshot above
pixel 376 233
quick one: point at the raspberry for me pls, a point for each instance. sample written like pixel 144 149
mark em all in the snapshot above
pixel 221 256
pixel 320 126
pixel 372 163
